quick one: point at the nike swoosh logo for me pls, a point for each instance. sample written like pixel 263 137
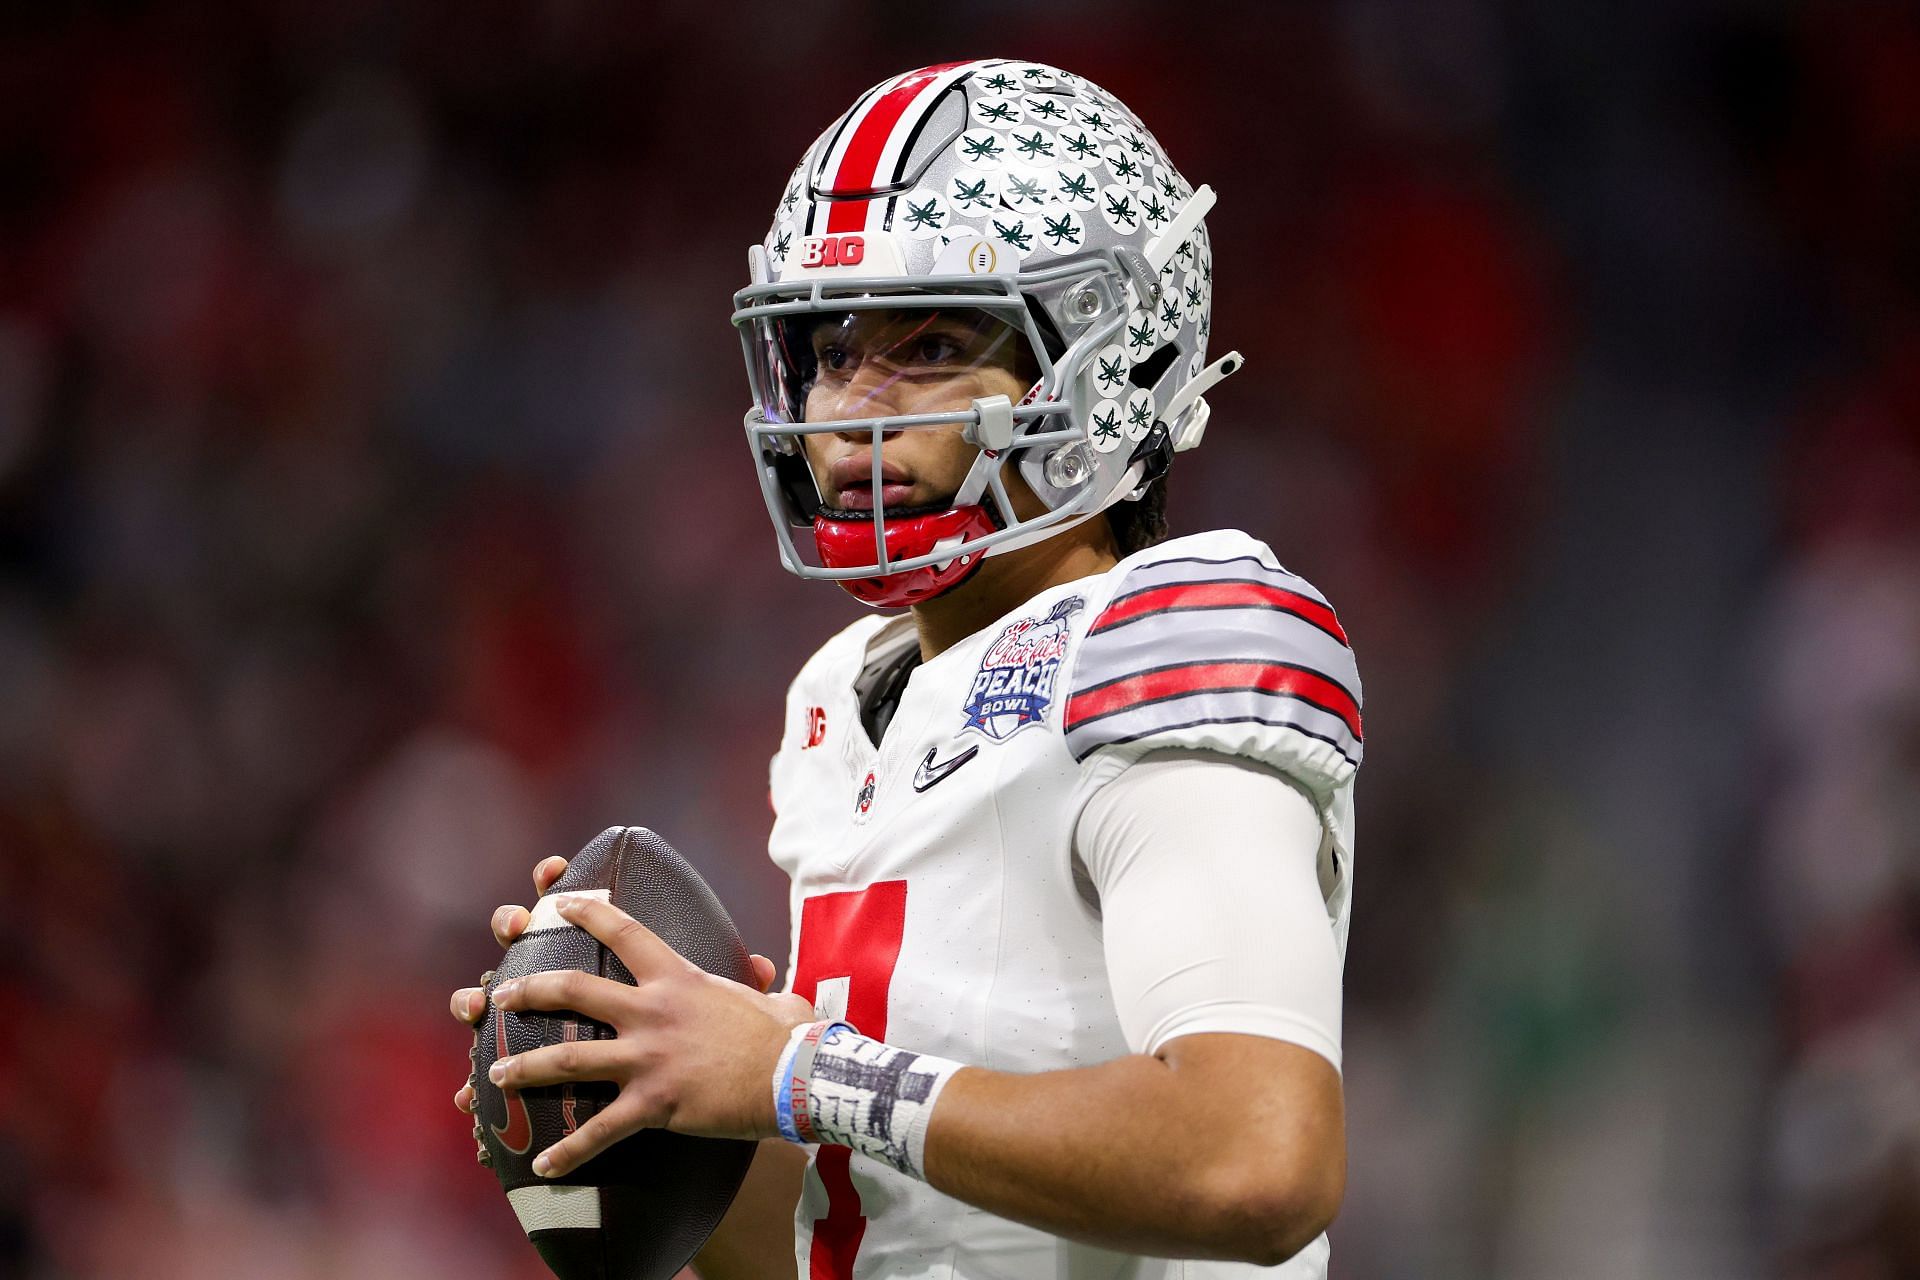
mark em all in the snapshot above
pixel 929 773
pixel 517 1137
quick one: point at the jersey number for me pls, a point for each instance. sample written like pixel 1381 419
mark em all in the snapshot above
pixel 849 945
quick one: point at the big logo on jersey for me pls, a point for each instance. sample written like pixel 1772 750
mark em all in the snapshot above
pixel 1014 686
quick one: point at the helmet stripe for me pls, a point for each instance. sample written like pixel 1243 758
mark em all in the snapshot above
pixel 861 159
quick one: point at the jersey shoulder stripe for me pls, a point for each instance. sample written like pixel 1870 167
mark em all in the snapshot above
pixel 1235 676
pixel 1223 652
pixel 1217 593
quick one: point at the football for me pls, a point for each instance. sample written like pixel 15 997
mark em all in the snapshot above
pixel 642 1208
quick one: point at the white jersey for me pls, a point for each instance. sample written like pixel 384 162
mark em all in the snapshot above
pixel 934 895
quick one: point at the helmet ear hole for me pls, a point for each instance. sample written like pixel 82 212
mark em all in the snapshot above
pixel 1148 372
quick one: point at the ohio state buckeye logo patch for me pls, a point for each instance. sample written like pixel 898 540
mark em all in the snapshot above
pixel 1015 683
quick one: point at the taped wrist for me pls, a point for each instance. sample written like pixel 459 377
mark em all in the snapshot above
pixel 836 1086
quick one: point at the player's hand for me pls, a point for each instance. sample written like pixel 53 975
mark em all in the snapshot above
pixel 692 1052
pixel 509 922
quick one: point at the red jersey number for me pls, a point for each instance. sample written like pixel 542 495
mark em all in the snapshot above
pixel 849 943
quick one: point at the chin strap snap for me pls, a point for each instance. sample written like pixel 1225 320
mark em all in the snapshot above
pixel 1153 455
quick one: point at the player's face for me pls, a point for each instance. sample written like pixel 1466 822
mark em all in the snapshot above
pixel 868 364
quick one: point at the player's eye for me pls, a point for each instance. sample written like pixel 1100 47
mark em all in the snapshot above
pixel 938 348
pixel 835 358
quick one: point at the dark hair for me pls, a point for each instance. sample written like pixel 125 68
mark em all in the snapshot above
pixel 1142 524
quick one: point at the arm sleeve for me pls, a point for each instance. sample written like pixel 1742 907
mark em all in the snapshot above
pixel 1205 871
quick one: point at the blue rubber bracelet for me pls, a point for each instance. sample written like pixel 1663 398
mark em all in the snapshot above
pixel 791 1079
pixel 783 1087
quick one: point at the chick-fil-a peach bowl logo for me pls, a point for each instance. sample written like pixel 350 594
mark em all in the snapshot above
pixel 1015 683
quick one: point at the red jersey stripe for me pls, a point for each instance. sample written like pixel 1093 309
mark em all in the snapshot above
pixel 1219 595
pixel 1215 677
pixel 862 156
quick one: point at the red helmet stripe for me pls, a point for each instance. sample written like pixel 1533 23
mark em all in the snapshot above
pixel 869 141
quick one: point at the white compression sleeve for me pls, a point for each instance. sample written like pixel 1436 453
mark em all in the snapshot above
pixel 1205 867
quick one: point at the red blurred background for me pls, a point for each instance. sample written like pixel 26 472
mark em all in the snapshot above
pixel 375 519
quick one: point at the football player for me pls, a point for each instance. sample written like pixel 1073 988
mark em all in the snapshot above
pixel 1071 837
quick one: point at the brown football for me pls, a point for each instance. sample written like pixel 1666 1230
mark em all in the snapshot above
pixel 643 1207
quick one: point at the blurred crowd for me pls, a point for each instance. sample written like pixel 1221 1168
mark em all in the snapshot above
pixel 375 520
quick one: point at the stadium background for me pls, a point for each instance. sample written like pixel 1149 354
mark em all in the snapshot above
pixel 374 518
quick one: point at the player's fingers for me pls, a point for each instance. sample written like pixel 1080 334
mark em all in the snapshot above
pixel 546 871
pixel 763 973
pixel 559 1063
pixel 509 922
pixel 638 947
pixel 624 1117
pixel 468 1004
pixel 599 998
pixel 463 1099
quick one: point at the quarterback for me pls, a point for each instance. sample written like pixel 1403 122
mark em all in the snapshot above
pixel 1070 829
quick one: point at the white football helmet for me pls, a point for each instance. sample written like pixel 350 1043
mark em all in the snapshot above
pixel 1033 200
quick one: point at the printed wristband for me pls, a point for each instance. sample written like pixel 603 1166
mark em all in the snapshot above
pixel 853 1091
pixel 790 1077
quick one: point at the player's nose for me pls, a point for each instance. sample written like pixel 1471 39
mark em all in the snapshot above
pixel 874 391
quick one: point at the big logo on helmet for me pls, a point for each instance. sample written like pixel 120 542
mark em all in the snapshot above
pixel 833 251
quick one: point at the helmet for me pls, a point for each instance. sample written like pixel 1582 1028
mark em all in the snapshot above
pixel 1031 199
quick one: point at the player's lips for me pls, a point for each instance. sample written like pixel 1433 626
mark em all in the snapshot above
pixel 851 479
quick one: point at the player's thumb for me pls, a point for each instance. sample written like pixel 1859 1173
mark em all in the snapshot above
pixel 763 973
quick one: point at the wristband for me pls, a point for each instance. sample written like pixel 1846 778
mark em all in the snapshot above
pixel 790 1080
pixel 839 1087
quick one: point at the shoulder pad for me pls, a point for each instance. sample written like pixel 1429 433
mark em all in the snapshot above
pixel 839 657
pixel 1224 652
pixel 834 664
